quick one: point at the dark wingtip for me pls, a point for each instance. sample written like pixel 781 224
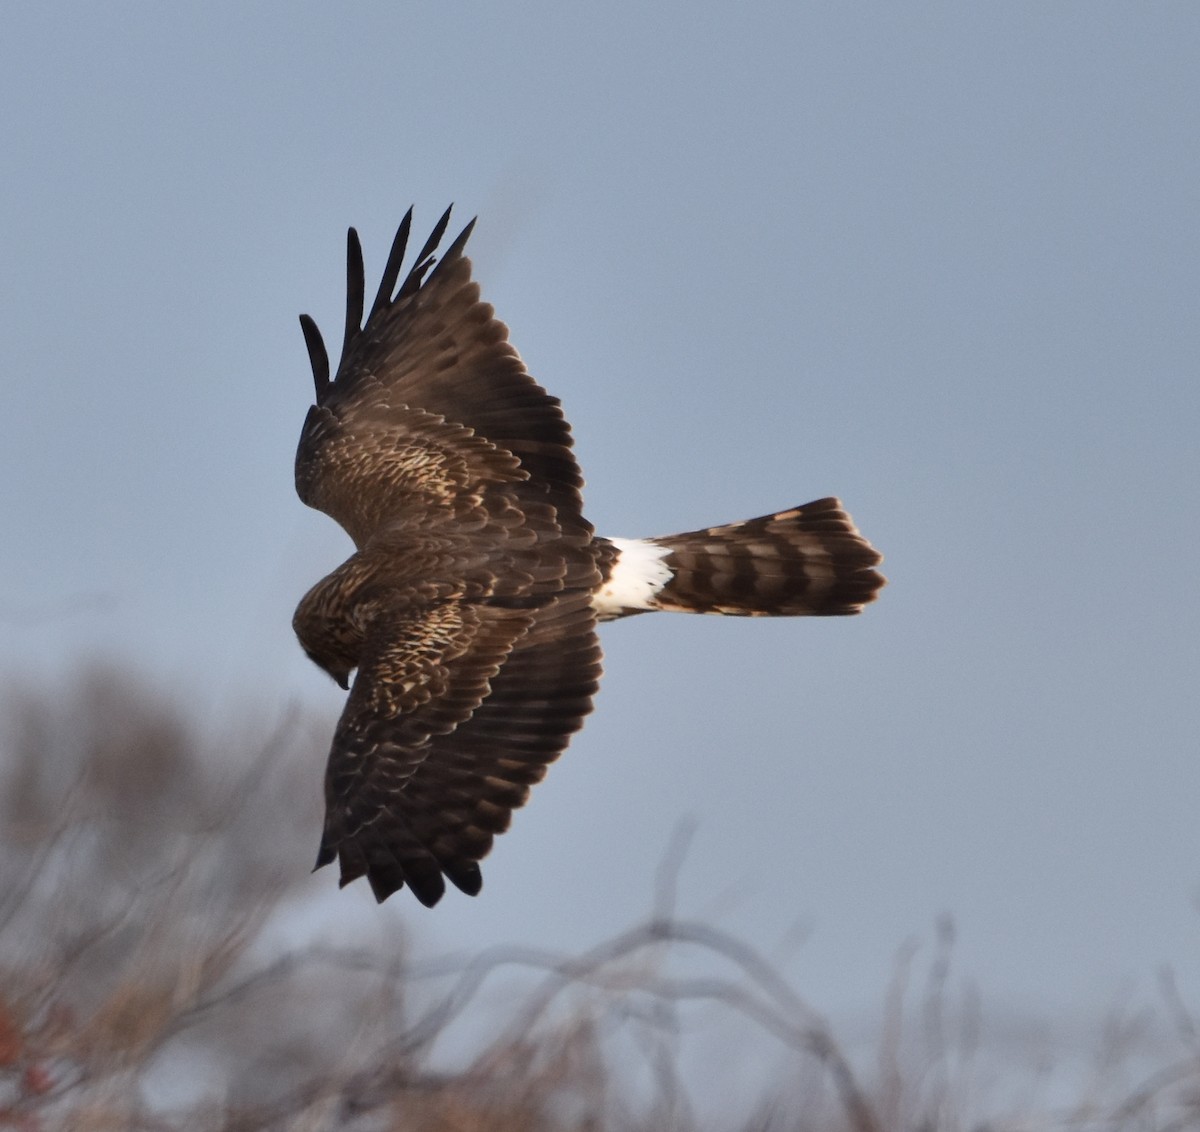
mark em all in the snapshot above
pixel 425 257
pixel 391 273
pixel 318 356
pixel 382 889
pixel 461 239
pixel 426 892
pixel 356 282
pixel 325 856
pixel 464 875
pixel 455 250
pixel 426 884
pixel 435 237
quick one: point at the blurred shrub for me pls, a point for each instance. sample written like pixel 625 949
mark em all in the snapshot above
pixel 141 866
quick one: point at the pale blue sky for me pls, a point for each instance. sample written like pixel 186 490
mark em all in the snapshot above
pixel 939 259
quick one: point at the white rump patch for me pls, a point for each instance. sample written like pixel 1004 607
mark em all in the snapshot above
pixel 638 574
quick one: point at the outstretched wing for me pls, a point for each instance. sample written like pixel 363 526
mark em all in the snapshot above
pixel 467 611
pixel 456 711
pixel 429 403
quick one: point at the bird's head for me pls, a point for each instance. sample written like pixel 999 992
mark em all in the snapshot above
pixel 325 640
pixel 338 667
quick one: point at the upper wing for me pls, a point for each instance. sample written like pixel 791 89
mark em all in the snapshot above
pixel 455 713
pixel 429 401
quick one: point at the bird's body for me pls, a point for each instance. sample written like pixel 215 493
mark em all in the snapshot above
pixel 469 607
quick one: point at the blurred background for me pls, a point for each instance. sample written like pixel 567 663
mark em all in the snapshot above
pixel 939 260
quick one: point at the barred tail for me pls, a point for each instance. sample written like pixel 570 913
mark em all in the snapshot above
pixel 809 561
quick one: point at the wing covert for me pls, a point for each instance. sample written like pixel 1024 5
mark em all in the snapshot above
pixel 431 346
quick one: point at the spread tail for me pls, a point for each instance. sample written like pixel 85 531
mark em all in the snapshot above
pixel 809 561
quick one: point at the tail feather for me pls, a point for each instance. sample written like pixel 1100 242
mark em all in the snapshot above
pixel 809 561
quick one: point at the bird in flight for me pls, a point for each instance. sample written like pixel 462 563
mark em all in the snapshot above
pixel 468 610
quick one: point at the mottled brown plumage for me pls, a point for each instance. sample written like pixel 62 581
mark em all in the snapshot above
pixel 469 607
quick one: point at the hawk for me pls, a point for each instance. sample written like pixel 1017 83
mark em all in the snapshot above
pixel 468 610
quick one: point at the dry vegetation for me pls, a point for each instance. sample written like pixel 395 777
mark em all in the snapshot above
pixel 143 873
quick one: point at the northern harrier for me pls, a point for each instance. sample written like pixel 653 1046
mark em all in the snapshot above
pixel 469 607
